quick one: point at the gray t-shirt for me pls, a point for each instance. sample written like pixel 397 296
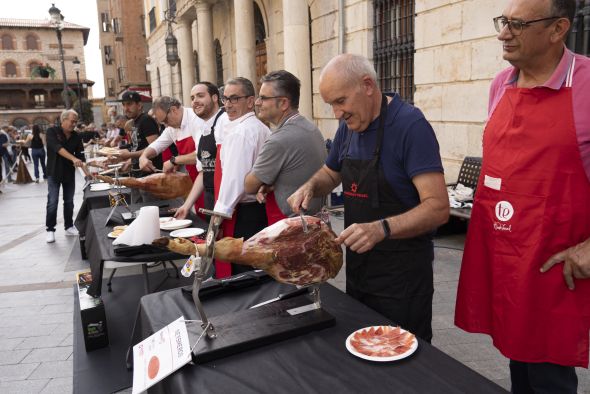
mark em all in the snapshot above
pixel 289 158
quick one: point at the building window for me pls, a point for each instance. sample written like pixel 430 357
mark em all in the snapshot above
pixel 32 43
pixel 10 70
pixel 39 100
pixel 142 19
pixel 152 17
pixel 116 26
pixel 121 74
pixel 159 81
pixel 393 46
pixel 19 123
pixel 105 22
pixel 579 38
pixel 218 62
pixel 108 54
pixel 197 74
pixel 110 87
pixel 7 43
pixel 42 123
pixel 32 65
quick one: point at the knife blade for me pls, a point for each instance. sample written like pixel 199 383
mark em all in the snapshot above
pixel 282 296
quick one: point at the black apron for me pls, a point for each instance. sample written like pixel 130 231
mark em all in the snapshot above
pixel 208 148
pixel 394 278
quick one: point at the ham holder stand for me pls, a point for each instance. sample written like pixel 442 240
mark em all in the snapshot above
pixel 266 323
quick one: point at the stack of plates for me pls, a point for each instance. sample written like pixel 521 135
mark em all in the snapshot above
pixel 98 187
pixel 174 224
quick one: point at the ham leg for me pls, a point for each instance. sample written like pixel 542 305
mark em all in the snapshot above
pixel 165 186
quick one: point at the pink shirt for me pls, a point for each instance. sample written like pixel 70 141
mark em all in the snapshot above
pixel 580 95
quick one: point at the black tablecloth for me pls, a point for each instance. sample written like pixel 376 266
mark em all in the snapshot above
pixel 99 247
pixel 317 362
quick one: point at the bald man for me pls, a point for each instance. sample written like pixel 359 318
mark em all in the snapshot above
pixel 387 157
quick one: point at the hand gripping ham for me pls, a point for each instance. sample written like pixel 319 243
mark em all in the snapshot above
pixel 165 186
pixel 283 250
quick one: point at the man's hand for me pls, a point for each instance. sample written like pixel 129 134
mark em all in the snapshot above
pixel 182 212
pixel 126 166
pixel 361 237
pixel 576 263
pixel 124 154
pixel 77 162
pixel 301 198
pixel 168 167
pixel 146 164
pixel 262 192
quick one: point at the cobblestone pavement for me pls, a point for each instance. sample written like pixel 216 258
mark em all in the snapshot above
pixel 36 300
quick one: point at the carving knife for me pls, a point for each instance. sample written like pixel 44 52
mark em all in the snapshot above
pixel 283 296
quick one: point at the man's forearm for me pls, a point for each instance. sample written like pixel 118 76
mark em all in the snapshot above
pixel 196 190
pixel 189 158
pixel 324 181
pixel 422 219
pixel 148 153
pixel 64 153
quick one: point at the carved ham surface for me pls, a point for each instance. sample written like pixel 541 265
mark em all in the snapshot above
pixel 283 250
pixel 165 186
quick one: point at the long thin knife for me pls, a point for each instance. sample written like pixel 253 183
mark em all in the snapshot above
pixel 284 296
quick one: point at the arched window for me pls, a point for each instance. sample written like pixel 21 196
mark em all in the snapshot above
pixel 32 65
pixel 32 44
pixel 7 42
pixel 260 36
pixel 218 62
pixel 20 122
pixel 42 123
pixel 197 75
pixel 10 69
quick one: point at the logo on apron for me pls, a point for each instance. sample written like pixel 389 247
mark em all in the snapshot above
pixel 504 211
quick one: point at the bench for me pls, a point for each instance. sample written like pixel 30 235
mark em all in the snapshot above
pixel 468 176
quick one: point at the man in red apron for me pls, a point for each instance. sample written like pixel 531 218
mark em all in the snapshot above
pixel 532 202
pixel 386 155
pixel 183 128
pixel 291 155
pixel 243 137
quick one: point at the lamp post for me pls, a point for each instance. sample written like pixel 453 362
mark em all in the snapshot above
pixel 76 62
pixel 171 47
pixel 57 21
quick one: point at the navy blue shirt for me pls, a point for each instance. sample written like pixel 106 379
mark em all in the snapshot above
pixel 409 148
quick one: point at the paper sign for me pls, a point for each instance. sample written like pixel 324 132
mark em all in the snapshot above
pixel 189 266
pixel 159 355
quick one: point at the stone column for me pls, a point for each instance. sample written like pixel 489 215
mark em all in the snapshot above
pixel 245 40
pixel 187 64
pixel 207 66
pixel 296 50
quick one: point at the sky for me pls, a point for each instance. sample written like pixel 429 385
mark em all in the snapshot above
pixel 80 12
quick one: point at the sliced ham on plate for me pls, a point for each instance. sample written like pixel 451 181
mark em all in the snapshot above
pixel 382 343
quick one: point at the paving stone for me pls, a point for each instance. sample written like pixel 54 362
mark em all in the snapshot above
pixel 24 386
pixel 13 356
pixel 52 340
pixel 30 331
pixel 54 369
pixel 17 371
pixel 48 354
pixel 69 341
pixel 59 308
pixel 9 343
pixel 59 386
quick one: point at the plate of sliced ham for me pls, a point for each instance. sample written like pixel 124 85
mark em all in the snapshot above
pixel 381 343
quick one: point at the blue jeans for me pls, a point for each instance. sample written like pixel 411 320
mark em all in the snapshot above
pixel 52 198
pixel 39 156
pixel 7 164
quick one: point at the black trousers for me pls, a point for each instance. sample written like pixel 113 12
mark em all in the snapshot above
pixel 542 378
pixel 250 219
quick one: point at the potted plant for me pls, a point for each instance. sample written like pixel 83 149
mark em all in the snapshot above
pixel 43 71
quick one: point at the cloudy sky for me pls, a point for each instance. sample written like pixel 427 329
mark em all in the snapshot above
pixel 81 12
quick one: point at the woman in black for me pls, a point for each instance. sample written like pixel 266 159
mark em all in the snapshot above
pixel 38 150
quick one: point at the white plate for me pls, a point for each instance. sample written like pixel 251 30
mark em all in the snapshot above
pixel 99 187
pixel 187 232
pixel 166 219
pixel 112 235
pixel 175 224
pixel 352 350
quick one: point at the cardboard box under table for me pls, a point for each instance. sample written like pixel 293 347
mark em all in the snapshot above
pixel 92 314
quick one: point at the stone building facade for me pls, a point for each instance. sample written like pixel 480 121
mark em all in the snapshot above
pixel 446 52
pixel 123 47
pixel 23 45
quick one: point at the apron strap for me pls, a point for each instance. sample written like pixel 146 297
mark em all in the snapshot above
pixel 377 151
pixel 570 74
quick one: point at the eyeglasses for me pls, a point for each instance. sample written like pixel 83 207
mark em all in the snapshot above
pixel 516 26
pixel 232 99
pixel 165 121
pixel 262 98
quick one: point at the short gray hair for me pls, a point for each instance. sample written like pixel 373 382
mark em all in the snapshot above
pixel 351 67
pixel 245 83
pixel 164 103
pixel 66 114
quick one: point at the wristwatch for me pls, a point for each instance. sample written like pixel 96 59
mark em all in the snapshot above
pixel 173 160
pixel 386 228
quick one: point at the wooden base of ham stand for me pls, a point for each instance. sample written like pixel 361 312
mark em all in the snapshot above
pixel 251 328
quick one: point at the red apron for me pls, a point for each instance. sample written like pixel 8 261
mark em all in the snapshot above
pixel 222 268
pixel 531 202
pixel 187 146
pixel 273 212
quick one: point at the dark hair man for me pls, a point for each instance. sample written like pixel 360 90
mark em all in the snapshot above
pixel 292 154
pixel 531 210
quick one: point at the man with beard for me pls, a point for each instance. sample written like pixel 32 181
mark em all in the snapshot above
pixel 206 104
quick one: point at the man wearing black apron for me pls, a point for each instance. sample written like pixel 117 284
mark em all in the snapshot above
pixel 386 156
pixel 206 104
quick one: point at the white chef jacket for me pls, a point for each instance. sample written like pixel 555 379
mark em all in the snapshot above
pixel 222 121
pixel 242 140
pixel 190 126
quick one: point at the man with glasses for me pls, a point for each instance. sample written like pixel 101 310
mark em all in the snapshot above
pixel 532 209
pixel 206 101
pixel 292 154
pixel 243 138
pixel 145 131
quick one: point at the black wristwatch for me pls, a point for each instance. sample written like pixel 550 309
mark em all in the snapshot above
pixel 173 160
pixel 386 228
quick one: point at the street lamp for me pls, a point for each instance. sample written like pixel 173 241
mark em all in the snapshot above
pixel 171 41
pixel 57 21
pixel 76 62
